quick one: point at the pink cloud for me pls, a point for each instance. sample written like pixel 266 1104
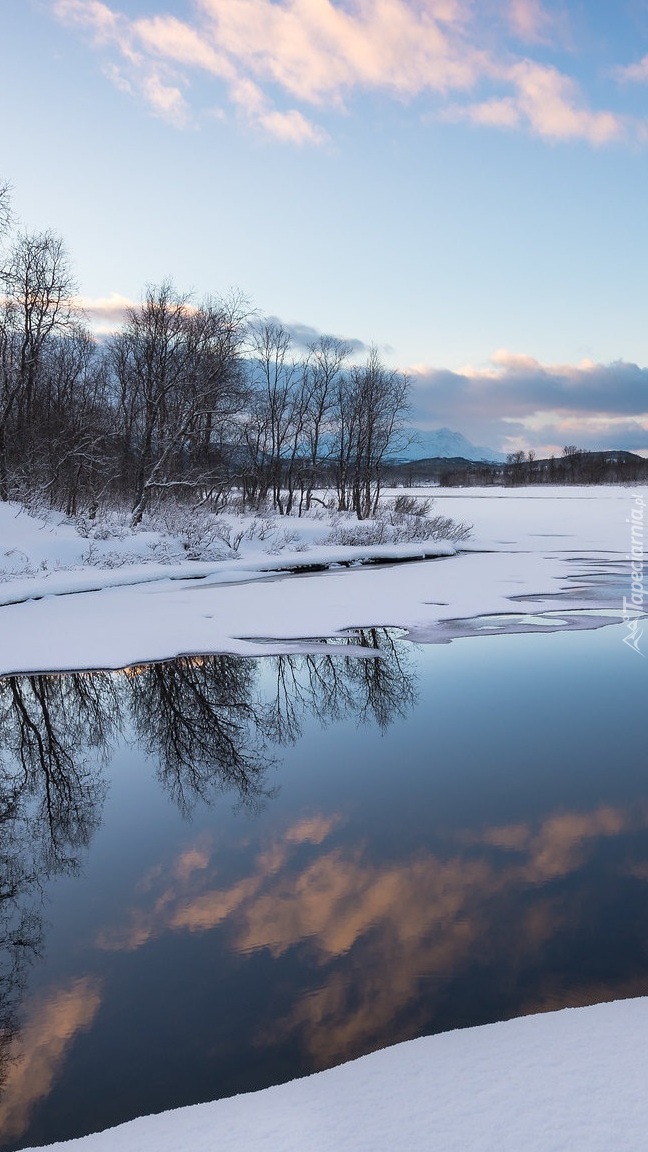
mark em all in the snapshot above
pixel 106 313
pixel 554 108
pixel 91 14
pixel 637 73
pixel 529 20
pixel 292 127
pixel 318 51
pixel 173 40
pixel 502 113
pixel 547 103
pixel 321 52
pixel 165 99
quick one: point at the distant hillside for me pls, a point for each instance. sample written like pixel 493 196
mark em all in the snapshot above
pixel 446 444
pixel 580 467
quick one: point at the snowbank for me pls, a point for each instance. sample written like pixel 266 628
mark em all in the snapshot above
pixel 528 546
pixel 570 1080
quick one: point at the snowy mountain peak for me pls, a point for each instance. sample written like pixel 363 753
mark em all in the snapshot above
pixel 446 443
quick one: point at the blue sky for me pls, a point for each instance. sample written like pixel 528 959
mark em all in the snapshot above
pixel 461 182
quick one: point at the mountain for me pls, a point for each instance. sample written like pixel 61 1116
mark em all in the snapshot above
pixel 444 442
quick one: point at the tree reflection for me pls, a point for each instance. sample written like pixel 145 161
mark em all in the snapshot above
pixel 374 684
pixel 48 727
pixel 50 805
pixel 20 925
pixel 209 725
pixel 208 722
pixel 201 720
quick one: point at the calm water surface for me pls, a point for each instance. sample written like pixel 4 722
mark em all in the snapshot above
pixel 224 873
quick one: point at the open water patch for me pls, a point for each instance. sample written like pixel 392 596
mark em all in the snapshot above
pixel 223 872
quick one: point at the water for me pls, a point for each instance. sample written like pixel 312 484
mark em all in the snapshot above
pixel 225 873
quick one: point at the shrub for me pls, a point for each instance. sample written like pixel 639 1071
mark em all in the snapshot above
pixel 392 527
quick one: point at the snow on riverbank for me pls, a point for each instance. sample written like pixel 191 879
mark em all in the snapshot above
pixel 574 1079
pixel 528 545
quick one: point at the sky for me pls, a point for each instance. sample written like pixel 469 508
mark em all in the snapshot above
pixel 460 182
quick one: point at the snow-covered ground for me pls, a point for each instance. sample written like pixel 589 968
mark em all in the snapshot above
pixel 569 1081
pixel 143 599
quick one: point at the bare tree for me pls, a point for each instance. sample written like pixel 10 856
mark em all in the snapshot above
pixel 76 458
pixel 323 373
pixel 372 405
pixel 5 207
pixel 177 380
pixel 275 429
pixel 38 306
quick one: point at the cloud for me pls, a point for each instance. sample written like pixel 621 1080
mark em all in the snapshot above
pixel 166 100
pixel 303 335
pixel 318 52
pixel 106 313
pixel 188 897
pixel 546 103
pixel 553 106
pixel 515 396
pixel 271 56
pixel 291 127
pixel 530 21
pixel 91 14
pixel 137 70
pixel 636 73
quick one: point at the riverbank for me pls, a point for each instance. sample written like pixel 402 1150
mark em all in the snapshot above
pixel 73 602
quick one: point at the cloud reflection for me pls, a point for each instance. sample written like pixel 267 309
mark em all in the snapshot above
pixel 376 930
pixel 39 1049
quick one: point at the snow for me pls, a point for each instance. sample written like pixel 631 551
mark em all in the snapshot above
pixel 527 547
pixel 574 1079
pixel 443 442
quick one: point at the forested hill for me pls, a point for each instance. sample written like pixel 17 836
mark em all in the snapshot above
pixel 574 466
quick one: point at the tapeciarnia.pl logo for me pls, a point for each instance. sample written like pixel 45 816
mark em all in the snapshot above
pixel 633 607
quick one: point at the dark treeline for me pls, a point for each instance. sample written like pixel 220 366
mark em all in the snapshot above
pixel 573 466
pixel 185 399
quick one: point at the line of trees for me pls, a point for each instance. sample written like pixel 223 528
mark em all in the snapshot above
pixel 573 466
pixel 185 399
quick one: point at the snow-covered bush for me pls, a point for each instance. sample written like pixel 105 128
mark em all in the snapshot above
pixel 274 535
pixel 260 528
pixel 103 559
pixel 405 505
pixel 15 563
pixel 104 525
pixel 196 533
pixel 282 538
pixel 393 525
pixel 357 533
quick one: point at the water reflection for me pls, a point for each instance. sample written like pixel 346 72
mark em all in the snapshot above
pixel 203 724
pixel 364 933
pixel 50 805
pixel 378 688
pixel 209 727
pixel 45 1038
pixel 204 720
pixel 48 727
pixel 486 858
